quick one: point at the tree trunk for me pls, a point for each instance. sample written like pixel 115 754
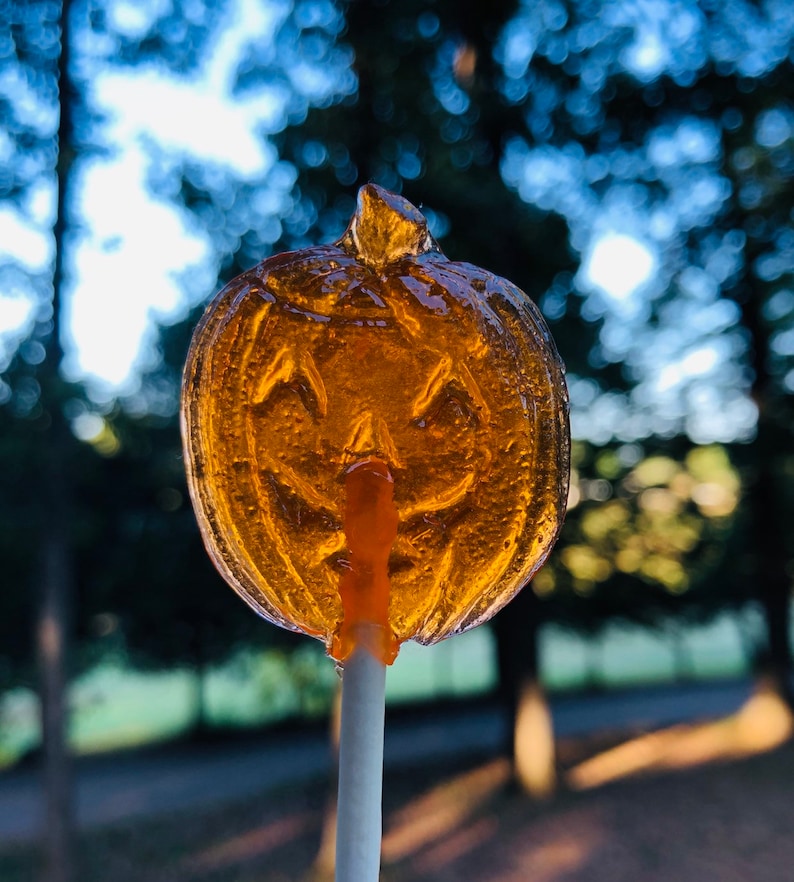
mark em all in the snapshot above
pixel 52 646
pixel 57 580
pixel 198 702
pixel 683 663
pixel 774 584
pixel 766 506
pixel 594 668
pixel 325 861
pixel 530 725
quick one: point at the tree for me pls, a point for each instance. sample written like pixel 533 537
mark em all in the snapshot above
pixel 53 489
pixel 182 43
pixel 49 126
pixel 692 140
pixel 648 535
pixel 590 130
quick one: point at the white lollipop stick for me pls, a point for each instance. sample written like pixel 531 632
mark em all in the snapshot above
pixel 359 810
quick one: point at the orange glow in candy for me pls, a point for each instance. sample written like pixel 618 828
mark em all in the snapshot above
pixel 376 437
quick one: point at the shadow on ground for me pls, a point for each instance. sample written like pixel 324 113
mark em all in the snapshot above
pixel 707 801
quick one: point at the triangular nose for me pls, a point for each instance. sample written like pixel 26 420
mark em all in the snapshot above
pixel 370 437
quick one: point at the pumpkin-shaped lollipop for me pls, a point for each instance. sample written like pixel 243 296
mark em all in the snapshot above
pixel 375 436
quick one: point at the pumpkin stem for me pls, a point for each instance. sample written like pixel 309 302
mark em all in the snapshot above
pixel 385 228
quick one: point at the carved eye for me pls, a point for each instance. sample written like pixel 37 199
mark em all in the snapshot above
pixel 450 399
pixel 296 391
pixel 451 407
pixel 293 377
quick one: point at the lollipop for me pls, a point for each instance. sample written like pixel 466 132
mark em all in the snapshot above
pixel 376 439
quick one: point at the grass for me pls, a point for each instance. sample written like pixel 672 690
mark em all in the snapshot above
pixel 115 707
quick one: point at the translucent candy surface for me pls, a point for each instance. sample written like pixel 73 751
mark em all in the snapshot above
pixel 376 437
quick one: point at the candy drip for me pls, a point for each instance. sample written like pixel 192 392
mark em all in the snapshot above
pixel 370 531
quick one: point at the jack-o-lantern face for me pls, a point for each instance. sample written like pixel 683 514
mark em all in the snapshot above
pixel 376 349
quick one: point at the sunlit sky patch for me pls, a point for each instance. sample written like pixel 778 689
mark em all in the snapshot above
pixel 201 116
pixel 27 244
pixel 134 19
pixel 127 266
pixel 15 312
pixel 618 265
pixel 696 363
pixel 129 263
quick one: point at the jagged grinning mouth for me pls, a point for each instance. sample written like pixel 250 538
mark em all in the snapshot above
pixel 398 562
pixel 291 483
pixel 333 552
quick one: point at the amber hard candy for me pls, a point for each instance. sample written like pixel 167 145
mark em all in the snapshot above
pixel 376 437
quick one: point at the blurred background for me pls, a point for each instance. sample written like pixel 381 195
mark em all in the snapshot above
pixel 628 163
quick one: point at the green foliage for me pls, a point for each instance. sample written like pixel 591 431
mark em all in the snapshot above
pixel 299 680
pixel 647 536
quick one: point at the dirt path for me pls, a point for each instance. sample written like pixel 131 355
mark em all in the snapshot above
pixel 460 822
pixel 114 789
